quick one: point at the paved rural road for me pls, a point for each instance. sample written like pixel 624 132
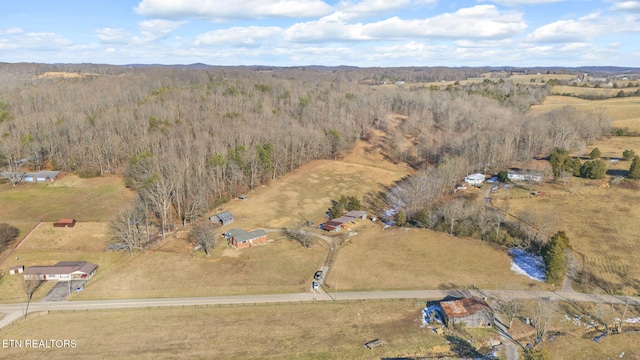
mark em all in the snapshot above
pixel 304 297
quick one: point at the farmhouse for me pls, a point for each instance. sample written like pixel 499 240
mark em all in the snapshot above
pixel 222 218
pixel 336 224
pixel 62 271
pixel 470 311
pixel 65 223
pixel 241 239
pixel 474 179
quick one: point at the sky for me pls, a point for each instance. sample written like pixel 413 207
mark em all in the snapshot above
pixel 364 33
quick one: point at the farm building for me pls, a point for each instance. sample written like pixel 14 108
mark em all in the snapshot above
pixel 474 179
pixel 43 176
pixel 62 271
pixel 222 218
pixel 65 223
pixel 332 226
pixel 336 224
pixel 516 176
pixel 16 270
pixel 356 214
pixel 241 239
pixel 470 311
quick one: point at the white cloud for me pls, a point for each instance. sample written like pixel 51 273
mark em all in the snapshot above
pixel 113 36
pixel 10 31
pixel 370 8
pixel 630 6
pixel 567 31
pixel 482 21
pixel 34 41
pixel 216 10
pixel 158 29
pixel 251 36
pixel 523 2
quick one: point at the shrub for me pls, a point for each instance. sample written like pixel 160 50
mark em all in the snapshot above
pixel 628 154
pixel 595 153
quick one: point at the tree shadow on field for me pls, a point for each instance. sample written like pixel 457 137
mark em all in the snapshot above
pixel 618 172
pixel 462 348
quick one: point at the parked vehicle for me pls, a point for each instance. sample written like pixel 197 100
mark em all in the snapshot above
pixel 315 285
pixel 318 275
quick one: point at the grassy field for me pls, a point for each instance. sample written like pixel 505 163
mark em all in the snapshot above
pixel 421 259
pixel 95 199
pixel 306 331
pixel 625 112
pixel 591 91
pixel 601 223
pixel 310 189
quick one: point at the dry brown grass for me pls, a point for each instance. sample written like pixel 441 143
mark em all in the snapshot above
pixel 601 223
pixel 591 91
pixel 63 75
pixel 403 258
pixel 95 199
pixel 308 331
pixel 310 188
pixel 282 266
pixel 625 112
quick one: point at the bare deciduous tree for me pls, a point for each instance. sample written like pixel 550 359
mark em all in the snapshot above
pixel 204 236
pixel 29 286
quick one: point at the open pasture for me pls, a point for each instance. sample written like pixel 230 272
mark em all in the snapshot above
pixel 303 331
pixel 624 112
pixel 601 223
pixel 410 258
pixel 306 193
pixel 94 199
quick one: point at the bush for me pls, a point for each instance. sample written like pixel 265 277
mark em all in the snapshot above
pixel 628 154
pixel 595 153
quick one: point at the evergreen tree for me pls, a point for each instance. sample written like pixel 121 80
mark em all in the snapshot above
pixel 595 153
pixel 634 170
pixel 553 255
pixel 401 218
pixel 595 169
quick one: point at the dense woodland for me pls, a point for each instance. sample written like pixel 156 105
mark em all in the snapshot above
pixel 188 137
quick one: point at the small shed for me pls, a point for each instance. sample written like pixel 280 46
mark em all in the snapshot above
pixel 16 270
pixel 332 226
pixel 471 311
pixel 222 218
pixel 357 214
pixel 65 223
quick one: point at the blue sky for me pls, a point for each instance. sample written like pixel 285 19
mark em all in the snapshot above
pixel 323 32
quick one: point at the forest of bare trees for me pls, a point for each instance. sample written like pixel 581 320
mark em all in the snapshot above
pixel 186 137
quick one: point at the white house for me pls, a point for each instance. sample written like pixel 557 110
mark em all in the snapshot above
pixel 474 179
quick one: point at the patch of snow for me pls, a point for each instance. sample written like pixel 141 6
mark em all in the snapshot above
pixel 527 264
pixel 633 320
